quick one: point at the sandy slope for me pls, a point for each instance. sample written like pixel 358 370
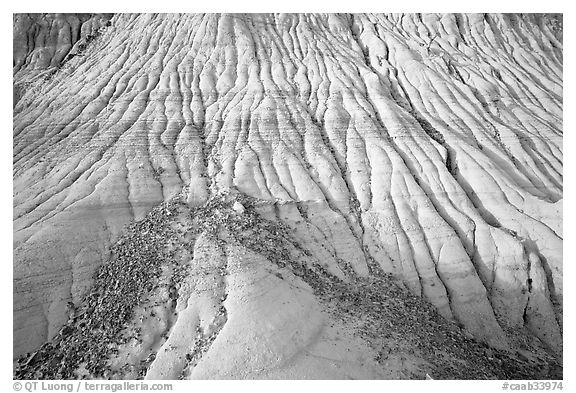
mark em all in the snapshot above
pixel 424 146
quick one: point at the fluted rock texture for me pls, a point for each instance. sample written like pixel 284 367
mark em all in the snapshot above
pixel 426 148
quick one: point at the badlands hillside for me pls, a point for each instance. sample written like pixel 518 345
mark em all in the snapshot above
pixel 287 196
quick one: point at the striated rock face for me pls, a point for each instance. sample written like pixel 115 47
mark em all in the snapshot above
pixel 322 178
pixel 46 40
pixel 43 42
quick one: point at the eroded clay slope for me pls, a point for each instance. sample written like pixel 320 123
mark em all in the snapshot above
pixel 43 42
pixel 226 291
pixel 428 147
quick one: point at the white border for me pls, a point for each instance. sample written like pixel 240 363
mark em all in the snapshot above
pixel 292 6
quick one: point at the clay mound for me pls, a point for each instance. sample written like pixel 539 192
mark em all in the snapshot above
pixel 416 152
pixel 185 287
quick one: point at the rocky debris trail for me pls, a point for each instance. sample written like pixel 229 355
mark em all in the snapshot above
pixel 97 325
pixel 385 313
pixel 154 271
